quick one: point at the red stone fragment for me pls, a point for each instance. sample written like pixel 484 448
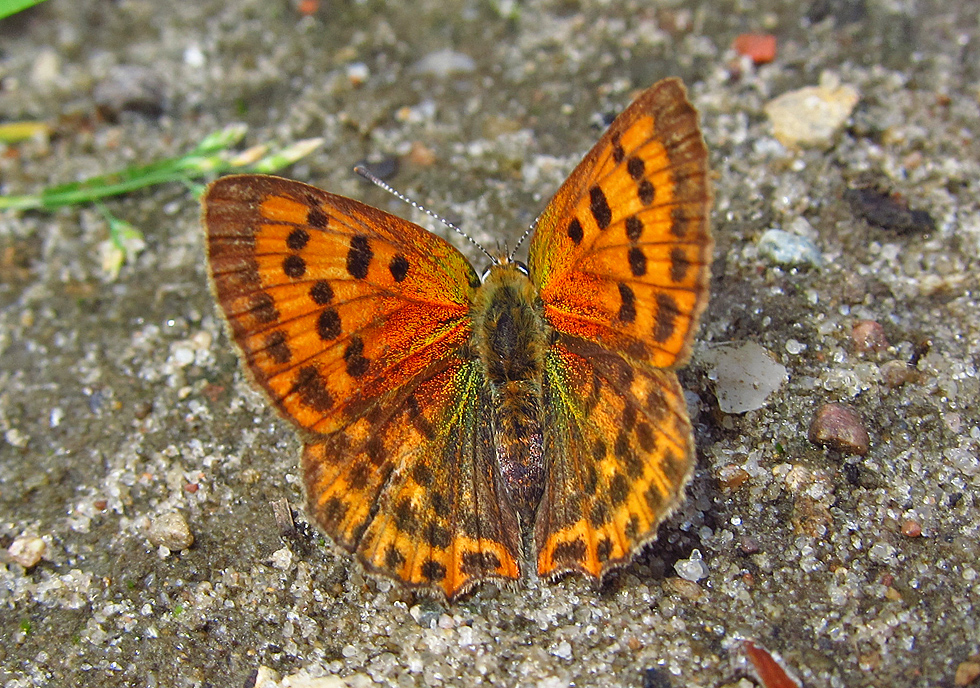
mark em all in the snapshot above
pixel 911 528
pixel 768 669
pixel 758 47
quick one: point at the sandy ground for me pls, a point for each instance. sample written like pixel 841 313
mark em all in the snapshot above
pixel 122 401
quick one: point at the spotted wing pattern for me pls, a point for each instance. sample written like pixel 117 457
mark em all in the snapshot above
pixel 413 488
pixel 355 323
pixel 621 258
pixel 621 253
pixel 618 458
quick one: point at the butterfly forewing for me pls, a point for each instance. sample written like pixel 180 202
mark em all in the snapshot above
pixel 621 254
pixel 331 302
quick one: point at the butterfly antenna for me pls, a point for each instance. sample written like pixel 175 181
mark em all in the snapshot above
pixel 525 235
pixel 366 174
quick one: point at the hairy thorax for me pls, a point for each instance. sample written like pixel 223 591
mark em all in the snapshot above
pixel 510 336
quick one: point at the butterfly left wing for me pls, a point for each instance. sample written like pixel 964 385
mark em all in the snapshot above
pixel 356 323
pixel 621 257
pixel 331 302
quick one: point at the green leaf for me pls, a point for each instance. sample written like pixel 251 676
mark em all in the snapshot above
pixel 9 7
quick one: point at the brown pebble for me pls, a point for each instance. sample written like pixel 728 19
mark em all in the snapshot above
pixel 421 155
pixel 731 477
pixel 967 672
pixel 689 590
pixel 191 487
pixel 896 373
pixel 854 288
pixel 840 427
pixel 100 504
pixel 868 335
pixel 748 544
pixel 911 529
pixel 170 531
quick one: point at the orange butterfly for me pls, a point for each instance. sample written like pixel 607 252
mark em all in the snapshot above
pixel 460 430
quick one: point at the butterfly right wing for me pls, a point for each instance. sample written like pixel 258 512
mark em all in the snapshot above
pixel 621 257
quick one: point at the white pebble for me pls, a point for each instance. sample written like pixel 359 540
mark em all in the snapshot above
pixel 692 569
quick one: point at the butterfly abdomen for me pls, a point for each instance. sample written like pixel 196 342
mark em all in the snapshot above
pixel 510 335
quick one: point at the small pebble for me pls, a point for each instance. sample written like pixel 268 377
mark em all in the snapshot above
pixel 133 88
pixel 786 248
pixel 748 544
pixel 442 63
pixel 421 155
pixel 868 335
pixel 911 529
pixel 758 47
pixel 744 375
pixel 967 672
pixel 692 569
pixel 731 477
pixel 896 373
pixel 840 427
pixel 282 558
pixel 357 73
pixel 893 594
pixel 811 116
pixel 27 550
pixel 689 590
pixel 425 613
pixel 888 211
pixel 170 531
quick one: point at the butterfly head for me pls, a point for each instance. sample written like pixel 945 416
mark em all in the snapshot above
pixel 505 262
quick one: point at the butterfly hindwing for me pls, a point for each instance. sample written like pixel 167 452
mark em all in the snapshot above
pixel 413 489
pixel 619 453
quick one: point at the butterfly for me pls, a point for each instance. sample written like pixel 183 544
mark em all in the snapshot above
pixel 460 429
